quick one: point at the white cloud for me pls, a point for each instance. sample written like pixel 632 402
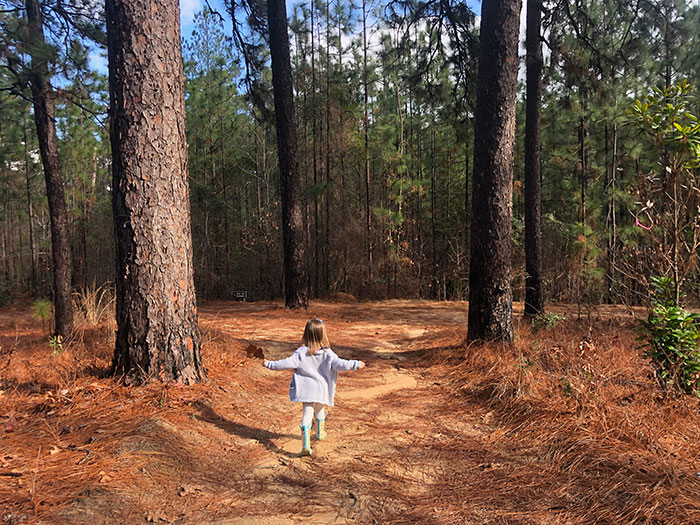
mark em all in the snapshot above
pixel 188 8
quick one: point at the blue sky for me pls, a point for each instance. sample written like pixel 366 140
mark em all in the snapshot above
pixel 189 8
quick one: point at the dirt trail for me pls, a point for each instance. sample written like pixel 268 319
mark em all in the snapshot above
pixel 248 430
pixel 384 381
pixel 368 433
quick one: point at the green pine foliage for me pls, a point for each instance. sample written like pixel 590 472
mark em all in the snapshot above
pixel 600 168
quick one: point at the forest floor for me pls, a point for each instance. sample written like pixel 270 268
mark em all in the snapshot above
pixel 563 427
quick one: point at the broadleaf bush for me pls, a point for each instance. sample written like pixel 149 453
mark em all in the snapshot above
pixel 670 339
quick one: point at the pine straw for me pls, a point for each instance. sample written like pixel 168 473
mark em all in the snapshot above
pixel 68 431
pixel 565 426
pixel 569 428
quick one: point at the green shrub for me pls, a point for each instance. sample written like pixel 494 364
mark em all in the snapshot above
pixel 56 345
pixel 670 337
pixel 546 320
pixel 41 311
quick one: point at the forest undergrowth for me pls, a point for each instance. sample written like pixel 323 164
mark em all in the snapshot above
pixel 565 426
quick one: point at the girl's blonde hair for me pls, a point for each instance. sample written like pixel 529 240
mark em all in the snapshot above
pixel 315 336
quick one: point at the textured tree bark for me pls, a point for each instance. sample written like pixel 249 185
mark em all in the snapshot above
pixel 45 119
pixel 295 279
pixel 157 332
pixel 534 298
pixel 490 294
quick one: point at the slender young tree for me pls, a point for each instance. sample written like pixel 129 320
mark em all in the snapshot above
pixel 295 279
pixel 534 299
pixel 490 294
pixel 366 137
pixel 43 97
pixel 157 332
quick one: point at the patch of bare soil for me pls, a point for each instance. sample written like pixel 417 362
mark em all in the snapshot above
pixel 563 427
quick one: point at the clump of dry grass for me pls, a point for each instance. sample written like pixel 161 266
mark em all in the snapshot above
pixel 94 305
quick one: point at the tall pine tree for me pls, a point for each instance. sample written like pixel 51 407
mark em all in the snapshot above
pixel 490 294
pixel 157 332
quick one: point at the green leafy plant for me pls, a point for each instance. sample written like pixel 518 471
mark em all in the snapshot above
pixel 669 195
pixel 41 311
pixel 524 364
pixel 670 339
pixel 546 320
pixel 566 386
pixel 56 344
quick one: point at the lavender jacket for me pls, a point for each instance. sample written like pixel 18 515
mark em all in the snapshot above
pixel 315 376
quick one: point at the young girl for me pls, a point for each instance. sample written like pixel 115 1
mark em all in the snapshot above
pixel 316 369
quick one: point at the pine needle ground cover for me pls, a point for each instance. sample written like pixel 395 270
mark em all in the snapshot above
pixel 565 426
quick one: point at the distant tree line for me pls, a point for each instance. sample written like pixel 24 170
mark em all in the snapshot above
pixel 385 107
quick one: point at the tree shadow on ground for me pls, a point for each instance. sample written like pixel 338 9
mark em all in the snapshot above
pixel 265 437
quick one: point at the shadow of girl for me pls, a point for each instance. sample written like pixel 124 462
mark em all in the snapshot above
pixel 265 437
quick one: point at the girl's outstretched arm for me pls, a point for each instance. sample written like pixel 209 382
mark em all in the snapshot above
pixel 344 365
pixel 283 364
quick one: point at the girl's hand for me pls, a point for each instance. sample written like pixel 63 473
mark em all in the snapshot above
pixel 265 361
pixel 361 365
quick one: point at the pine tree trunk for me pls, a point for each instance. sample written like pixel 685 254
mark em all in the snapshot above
pixel 316 236
pixel 30 208
pixel 327 193
pixel 490 294
pixel 467 193
pixel 534 299
pixel 295 279
pixel 435 282
pixel 611 222
pixel 366 116
pixel 45 119
pixel 157 332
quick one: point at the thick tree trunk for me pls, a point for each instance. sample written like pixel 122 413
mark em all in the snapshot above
pixel 490 294
pixel 534 298
pixel 44 117
pixel 157 332
pixel 295 279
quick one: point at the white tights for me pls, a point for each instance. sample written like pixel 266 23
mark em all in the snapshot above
pixel 310 410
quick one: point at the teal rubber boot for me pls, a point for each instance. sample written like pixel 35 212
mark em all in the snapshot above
pixel 321 429
pixel 306 443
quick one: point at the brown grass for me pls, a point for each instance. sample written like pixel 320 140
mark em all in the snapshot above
pixel 574 431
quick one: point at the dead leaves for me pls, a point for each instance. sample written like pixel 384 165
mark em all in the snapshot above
pixel 253 351
pixel 157 517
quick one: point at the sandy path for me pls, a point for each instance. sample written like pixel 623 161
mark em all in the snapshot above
pixel 233 457
pixel 274 338
pixel 367 433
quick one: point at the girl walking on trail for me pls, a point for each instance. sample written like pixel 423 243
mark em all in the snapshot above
pixel 316 369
